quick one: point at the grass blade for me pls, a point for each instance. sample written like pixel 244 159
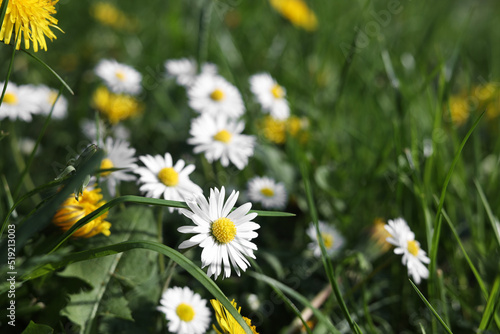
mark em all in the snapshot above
pixel 294 294
pixel 491 306
pixel 50 70
pixel 177 257
pixel 438 218
pixel 429 306
pixel 488 211
pixel 324 256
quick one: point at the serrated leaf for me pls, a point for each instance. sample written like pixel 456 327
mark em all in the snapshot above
pixel 84 307
pixel 34 328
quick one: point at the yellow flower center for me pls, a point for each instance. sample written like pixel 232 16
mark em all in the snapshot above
pixel 268 192
pixel 413 247
pixel 217 95
pixel 223 136
pixel 120 75
pixel 327 240
pixel 223 230
pixel 106 164
pixel 278 91
pixel 10 98
pixel 168 176
pixel 185 312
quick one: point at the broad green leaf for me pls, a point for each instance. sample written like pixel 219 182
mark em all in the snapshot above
pixel 34 328
pixel 107 296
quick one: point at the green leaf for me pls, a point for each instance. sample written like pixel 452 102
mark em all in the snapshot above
pixel 106 297
pixel 429 306
pixel 37 329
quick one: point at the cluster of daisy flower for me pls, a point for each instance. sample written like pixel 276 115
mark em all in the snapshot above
pixel 23 101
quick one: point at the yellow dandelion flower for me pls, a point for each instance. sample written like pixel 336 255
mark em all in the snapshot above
pixel 226 321
pixel 109 15
pixel 379 234
pixel 273 129
pixel 297 12
pixel 297 127
pixel 115 107
pixel 73 210
pixel 459 109
pixel 32 19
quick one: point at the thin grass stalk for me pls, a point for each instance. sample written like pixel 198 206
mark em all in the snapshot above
pixel 324 256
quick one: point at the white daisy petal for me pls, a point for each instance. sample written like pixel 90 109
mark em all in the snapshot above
pixel 119 78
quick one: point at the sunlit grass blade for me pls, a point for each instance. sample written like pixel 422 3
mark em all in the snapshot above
pixel 177 257
pixel 9 70
pixel 294 294
pixel 50 70
pixel 491 306
pixel 429 306
pixel 324 256
pixel 487 207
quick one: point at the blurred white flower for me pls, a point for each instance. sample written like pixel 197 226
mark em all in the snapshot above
pixel 223 234
pixel 185 310
pixel 332 239
pixel 221 139
pixel 271 194
pixel 213 95
pixel 271 96
pixel 404 240
pixel 161 178
pixel 19 102
pixel 45 99
pixel 117 131
pixel 184 70
pixel 119 78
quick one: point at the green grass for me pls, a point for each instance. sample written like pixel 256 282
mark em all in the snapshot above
pixel 373 83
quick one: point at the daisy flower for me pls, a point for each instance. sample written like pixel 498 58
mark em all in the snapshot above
pixel 265 190
pixel 223 234
pixel 119 78
pixel 212 94
pixel 404 240
pixel 271 96
pixel 32 19
pixel 185 310
pixel 18 102
pixel 119 154
pixel 46 97
pixel 184 70
pixel 75 208
pixel 226 321
pixel 331 238
pixel 161 178
pixel 221 139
